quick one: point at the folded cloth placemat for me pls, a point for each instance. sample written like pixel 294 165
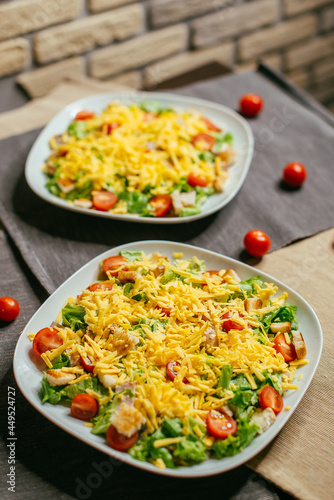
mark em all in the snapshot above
pixel 55 242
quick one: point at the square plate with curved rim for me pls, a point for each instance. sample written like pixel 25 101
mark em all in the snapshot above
pixel 28 373
pixel 223 116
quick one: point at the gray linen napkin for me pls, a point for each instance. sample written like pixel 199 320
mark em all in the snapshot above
pixel 55 242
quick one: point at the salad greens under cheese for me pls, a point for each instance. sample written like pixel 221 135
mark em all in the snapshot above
pixel 171 362
pixel 139 159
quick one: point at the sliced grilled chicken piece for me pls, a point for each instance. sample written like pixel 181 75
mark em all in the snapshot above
pixel 123 341
pixel 107 380
pixel 177 201
pixel 66 185
pixel 210 337
pixel 281 327
pixel 230 274
pixel 263 419
pixel 127 419
pixel 188 199
pixel 299 344
pixel 83 203
pixel 57 377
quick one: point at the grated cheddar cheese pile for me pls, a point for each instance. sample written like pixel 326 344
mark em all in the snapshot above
pixel 135 158
pixel 184 362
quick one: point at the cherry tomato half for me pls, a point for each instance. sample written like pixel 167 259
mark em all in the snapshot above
pixel 84 407
pixel 197 180
pixel 100 287
pixel 85 115
pixel 287 350
pixel 220 425
pixel 107 128
pixel 257 243
pixel 46 339
pixel 9 309
pixel 104 200
pixel 119 441
pixel 251 104
pixel 210 125
pixel 294 174
pixel 204 142
pixel 162 204
pixel 270 398
pixel 87 364
pixel 229 324
pixel 171 372
pixel 164 310
pixel 112 263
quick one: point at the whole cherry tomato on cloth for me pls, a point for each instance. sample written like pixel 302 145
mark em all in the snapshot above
pixel 251 104
pixel 9 309
pixel 294 174
pixel 257 243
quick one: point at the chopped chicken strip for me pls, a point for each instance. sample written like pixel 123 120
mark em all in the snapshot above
pixel 299 344
pixel 74 358
pixel 177 201
pixel 188 199
pixel 227 410
pixel 50 168
pixel 281 327
pixel 127 419
pixel 83 203
pixel 156 257
pixel 128 276
pixel 263 419
pixel 57 377
pixel 230 274
pixel 123 341
pixel 253 303
pixel 107 380
pixel 66 185
pixel 210 336
pixel 228 155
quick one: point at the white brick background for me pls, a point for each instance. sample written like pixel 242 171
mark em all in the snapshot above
pixel 142 43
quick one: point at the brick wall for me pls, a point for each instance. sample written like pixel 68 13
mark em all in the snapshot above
pixel 142 43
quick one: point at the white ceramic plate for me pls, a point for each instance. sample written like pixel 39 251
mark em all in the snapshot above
pixel 225 117
pixel 28 375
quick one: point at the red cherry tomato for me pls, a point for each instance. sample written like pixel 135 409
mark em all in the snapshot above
pixel 229 324
pixel 85 115
pixel 104 200
pixel 119 441
pixel 287 350
pixel 46 339
pixel 100 287
pixel 197 180
pixel 9 309
pixel 210 125
pixel 164 310
pixel 112 264
pixel 162 204
pixel 270 398
pixel 84 407
pixel 87 364
pixel 171 372
pixel 107 128
pixel 257 243
pixel 251 104
pixel 294 174
pixel 220 425
pixel 204 141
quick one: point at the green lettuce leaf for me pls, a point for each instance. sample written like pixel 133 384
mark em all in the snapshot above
pixel 131 256
pixel 73 316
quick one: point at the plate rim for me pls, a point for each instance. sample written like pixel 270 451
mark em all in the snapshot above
pixel 53 200
pixel 184 472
